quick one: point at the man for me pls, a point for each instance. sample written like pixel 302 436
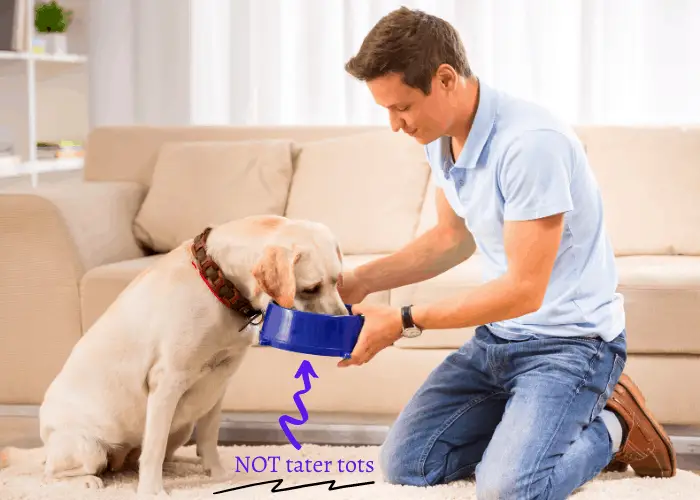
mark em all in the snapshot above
pixel 535 405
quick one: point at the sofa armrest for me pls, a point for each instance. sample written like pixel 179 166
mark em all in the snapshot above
pixel 49 237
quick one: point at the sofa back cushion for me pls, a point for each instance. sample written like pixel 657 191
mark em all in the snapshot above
pixel 129 152
pixel 198 184
pixel 368 188
pixel 650 183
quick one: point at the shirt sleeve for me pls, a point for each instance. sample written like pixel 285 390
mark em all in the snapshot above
pixel 535 176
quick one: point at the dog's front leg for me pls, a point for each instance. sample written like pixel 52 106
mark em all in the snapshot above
pixel 207 438
pixel 160 409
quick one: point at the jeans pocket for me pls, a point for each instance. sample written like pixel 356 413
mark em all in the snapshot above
pixel 613 377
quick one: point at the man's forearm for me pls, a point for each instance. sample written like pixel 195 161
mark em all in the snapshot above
pixel 497 300
pixel 429 255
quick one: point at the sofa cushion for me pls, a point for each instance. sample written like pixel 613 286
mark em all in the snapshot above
pixel 368 188
pixel 662 299
pixel 101 285
pixel 649 179
pixel 427 218
pixel 196 184
pixel 661 296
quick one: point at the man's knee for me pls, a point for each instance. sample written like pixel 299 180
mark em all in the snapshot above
pixel 400 464
pixel 495 485
pixel 505 483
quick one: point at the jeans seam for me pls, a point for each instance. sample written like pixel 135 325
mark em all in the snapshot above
pixel 457 473
pixel 584 381
pixel 489 361
pixel 461 411
pixel 609 387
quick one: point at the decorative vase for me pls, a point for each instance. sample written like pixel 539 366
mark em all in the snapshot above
pixel 58 43
pixel 50 43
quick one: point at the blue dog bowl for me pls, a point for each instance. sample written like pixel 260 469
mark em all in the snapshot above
pixel 310 333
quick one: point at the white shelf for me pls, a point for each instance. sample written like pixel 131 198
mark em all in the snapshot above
pixel 59 164
pixel 28 56
pixel 44 96
pixel 36 167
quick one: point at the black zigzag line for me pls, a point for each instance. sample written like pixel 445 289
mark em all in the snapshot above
pixel 278 482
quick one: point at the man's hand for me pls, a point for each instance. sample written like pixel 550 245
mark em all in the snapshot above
pixel 382 327
pixel 352 290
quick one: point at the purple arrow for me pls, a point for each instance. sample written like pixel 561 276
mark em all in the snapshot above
pixel 306 371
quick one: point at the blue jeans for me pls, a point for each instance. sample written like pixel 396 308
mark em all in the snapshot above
pixel 520 416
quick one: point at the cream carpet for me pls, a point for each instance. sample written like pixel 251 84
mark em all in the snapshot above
pixel 185 480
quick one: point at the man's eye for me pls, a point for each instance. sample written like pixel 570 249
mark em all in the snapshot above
pixel 315 289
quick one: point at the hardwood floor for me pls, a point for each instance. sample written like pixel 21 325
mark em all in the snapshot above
pixel 23 432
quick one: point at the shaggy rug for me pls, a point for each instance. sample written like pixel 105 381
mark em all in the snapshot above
pixel 184 479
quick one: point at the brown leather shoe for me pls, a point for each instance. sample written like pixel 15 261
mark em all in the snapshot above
pixel 645 445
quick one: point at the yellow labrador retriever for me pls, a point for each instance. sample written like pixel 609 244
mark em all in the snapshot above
pixel 158 361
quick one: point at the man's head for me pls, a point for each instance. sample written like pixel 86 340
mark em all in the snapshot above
pixel 415 66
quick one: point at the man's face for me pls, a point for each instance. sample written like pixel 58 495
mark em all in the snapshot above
pixel 423 117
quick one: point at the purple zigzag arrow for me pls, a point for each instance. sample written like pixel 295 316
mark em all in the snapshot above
pixel 306 371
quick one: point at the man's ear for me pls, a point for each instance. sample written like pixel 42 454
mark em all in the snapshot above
pixel 274 273
pixel 446 76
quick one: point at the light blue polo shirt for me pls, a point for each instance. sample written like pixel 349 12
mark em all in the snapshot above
pixel 520 163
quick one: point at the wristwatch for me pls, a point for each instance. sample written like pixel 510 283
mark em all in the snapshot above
pixel 410 329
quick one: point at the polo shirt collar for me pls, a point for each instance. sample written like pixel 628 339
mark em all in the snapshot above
pixel 484 121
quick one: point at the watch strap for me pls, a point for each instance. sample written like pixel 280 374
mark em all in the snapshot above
pixel 406 317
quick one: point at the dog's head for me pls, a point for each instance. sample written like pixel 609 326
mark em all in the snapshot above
pixel 296 263
pixel 300 268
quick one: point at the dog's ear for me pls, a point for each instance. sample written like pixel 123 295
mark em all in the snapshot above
pixel 274 273
pixel 339 253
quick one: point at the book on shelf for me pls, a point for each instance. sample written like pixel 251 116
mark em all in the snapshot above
pixel 60 149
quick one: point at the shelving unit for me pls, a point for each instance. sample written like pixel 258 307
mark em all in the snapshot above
pixel 44 96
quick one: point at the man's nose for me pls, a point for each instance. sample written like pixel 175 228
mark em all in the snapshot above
pixel 396 123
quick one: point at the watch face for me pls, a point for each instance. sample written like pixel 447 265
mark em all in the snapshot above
pixel 411 332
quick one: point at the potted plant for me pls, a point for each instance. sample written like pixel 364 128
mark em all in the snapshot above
pixel 51 21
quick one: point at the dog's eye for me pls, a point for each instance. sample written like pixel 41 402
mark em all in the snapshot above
pixel 313 290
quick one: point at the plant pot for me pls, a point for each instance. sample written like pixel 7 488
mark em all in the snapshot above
pixel 58 43
pixel 50 43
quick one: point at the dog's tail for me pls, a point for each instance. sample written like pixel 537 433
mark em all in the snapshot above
pixel 11 455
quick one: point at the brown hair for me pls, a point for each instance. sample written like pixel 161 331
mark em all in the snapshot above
pixel 411 43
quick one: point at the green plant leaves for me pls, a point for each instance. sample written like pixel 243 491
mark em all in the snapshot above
pixel 50 17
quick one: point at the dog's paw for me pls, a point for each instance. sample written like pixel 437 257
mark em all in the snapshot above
pixel 90 482
pixel 184 460
pixel 161 495
pixel 150 490
pixel 215 471
pixel 143 493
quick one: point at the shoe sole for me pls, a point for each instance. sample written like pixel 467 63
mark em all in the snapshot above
pixel 636 394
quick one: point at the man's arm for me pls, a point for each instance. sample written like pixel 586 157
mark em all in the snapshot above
pixel 531 248
pixel 440 248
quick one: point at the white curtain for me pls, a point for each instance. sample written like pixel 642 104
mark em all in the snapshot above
pixel 630 62
pixel 140 66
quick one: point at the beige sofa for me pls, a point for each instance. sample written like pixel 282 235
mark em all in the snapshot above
pixel 66 253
